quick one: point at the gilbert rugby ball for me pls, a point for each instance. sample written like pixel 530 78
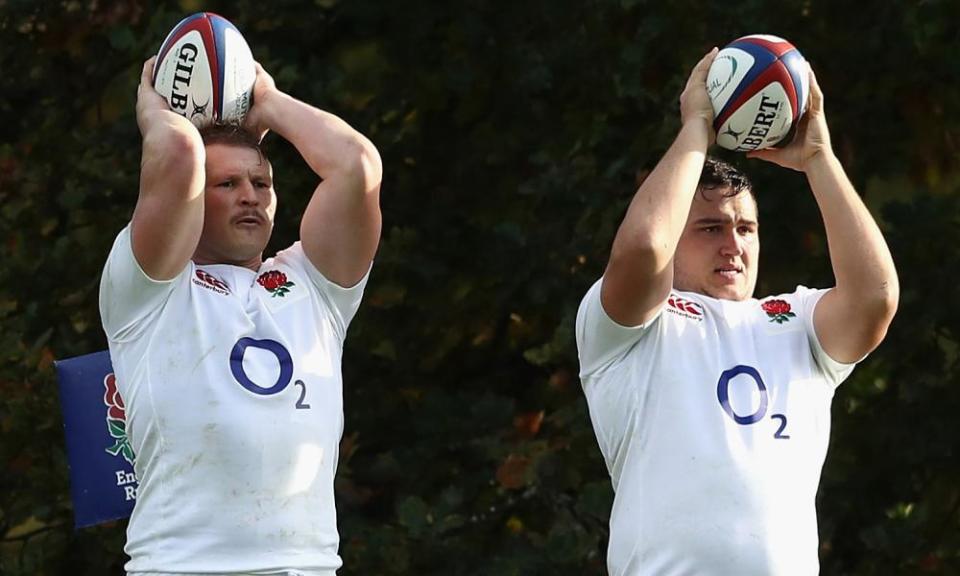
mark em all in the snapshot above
pixel 758 86
pixel 205 70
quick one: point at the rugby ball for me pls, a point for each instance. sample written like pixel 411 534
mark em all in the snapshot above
pixel 205 70
pixel 758 86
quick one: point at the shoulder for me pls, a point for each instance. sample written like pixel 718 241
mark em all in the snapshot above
pixel 784 308
pixel 290 275
pixel 129 299
pixel 294 258
pixel 284 277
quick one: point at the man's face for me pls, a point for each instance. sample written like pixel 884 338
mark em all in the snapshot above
pixel 720 246
pixel 239 206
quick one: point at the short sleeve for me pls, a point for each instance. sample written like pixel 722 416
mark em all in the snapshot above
pixel 342 302
pixel 600 340
pixel 128 297
pixel 834 372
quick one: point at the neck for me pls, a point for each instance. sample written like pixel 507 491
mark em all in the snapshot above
pixel 252 263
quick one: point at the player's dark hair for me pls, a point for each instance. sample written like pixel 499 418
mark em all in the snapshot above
pixel 231 135
pixel 719 175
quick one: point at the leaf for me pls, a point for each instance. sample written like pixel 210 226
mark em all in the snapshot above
pixel 527 425
pixel 128 454
pixel 512 473
pixel 413 514
pixel 116 448
pixel 118 428
pixel 122 38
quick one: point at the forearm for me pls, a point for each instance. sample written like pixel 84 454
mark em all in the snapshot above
pixel 329 145
pixel 340 228
pixel 168 218
pixel 639 274
pixel 862 264
pixel 658 212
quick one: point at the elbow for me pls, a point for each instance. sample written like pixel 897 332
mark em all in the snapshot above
pixel 881 307
pixel 362 164
pixel 888 308
pixel 876 298
pixel 642 253
pixel 371 167
pixel 859 319
pixel 172 163
pixel 887 299
pixel 892 299
pixel 641 246
pixel 174 145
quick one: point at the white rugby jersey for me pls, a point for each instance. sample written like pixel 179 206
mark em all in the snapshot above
pixel 713 419
pixel 233 391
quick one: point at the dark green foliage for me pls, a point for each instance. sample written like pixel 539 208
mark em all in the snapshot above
pixel 513 135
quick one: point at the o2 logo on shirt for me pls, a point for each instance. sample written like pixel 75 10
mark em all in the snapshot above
pixel 283 379
pixel 723 395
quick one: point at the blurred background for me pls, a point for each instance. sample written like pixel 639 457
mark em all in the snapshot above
pixel 513 135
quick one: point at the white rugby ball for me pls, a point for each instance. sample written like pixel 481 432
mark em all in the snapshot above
pixel 758 86
pixel 205 70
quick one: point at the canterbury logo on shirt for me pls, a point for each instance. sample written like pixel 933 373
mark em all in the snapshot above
pixel 686 308
pixel 211 282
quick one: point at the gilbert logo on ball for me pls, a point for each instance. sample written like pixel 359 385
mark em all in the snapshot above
pixel 758 86
pixel 205 70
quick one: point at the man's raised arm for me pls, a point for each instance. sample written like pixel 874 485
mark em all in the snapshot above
pixel 852 318
pixel 639 274
pixel 340 228
pixel 168 218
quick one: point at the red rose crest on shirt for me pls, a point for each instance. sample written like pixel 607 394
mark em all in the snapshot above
pixel 275 282
pixel 116 420
pixel 778 311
